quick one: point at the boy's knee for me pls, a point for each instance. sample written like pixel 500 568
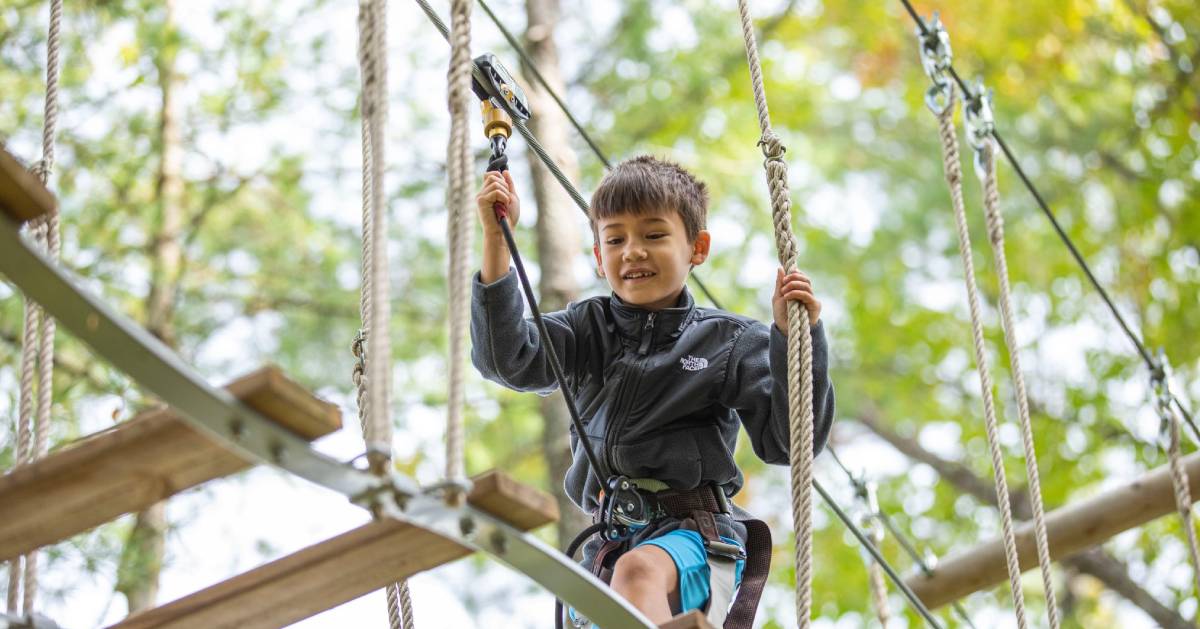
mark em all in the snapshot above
pixel 647 564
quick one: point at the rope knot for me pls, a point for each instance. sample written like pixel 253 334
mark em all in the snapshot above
pixel 41 170
pixel 772 147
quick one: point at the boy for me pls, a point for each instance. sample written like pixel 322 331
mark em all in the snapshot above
pixel 661 384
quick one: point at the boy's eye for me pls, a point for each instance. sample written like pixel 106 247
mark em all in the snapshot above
pixel 613 241
pixel 656 236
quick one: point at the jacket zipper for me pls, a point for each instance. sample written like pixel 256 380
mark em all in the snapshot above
pixel 628 375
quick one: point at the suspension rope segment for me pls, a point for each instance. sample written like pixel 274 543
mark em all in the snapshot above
pixel 799 336
pixel 459 172
pixel 372 373
pixel 1171 437
pixel 926 32
pixel 953 171
pixel 37 340
pixel 980 124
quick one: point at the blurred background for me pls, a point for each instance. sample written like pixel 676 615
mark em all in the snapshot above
pixel 1099 100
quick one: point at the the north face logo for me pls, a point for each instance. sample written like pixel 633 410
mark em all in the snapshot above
pixel 691 363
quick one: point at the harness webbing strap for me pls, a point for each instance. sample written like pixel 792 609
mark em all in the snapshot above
pixel 754 575
pixel 721 586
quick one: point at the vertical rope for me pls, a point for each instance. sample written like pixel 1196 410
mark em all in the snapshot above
pixel 24 429
pixel 878 592
pixel 799 338
pixel 458 162
pixel 954 180
pixel 37 342
pixel 1183 499
pixel 374 401
pixel 995 226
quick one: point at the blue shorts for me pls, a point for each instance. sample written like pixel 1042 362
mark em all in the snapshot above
pixel 686 549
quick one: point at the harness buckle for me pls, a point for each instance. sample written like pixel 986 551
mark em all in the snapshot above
pixel 725 550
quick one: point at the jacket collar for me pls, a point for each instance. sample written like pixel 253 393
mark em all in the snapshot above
pixel 638 326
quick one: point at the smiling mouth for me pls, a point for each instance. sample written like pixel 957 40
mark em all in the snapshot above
pixel 638 275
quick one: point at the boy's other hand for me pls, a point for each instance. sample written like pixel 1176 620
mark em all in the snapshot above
pixel 497 187
pixel 794 286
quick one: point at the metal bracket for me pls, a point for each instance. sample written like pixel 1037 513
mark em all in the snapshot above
pixel 981 125
pixel 524 553
pixel 936 57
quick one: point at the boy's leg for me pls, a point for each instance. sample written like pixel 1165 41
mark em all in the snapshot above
pixel 646 577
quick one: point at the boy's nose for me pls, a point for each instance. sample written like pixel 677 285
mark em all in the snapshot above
pixel 635 253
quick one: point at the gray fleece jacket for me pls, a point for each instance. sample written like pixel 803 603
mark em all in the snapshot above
pixel 661 394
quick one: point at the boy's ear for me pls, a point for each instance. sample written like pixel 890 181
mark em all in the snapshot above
pixel 700 247
pixel 599 263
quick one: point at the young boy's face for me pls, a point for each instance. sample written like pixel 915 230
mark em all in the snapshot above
pixel 646 258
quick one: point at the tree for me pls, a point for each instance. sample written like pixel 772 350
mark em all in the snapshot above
pixel 557 236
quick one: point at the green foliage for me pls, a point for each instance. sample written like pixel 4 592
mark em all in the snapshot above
pixel 1098 100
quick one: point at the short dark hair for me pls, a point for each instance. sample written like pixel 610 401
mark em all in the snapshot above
pixel 648 185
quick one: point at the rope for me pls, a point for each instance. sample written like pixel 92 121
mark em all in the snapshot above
pixel 458 163
pixel 1151 364
pixel 1179 479
pixel 37 342
pixel 995 227
pixel 878 592
pixel 25 422
pixel 374 400
pixel 954 180
pixel 799 338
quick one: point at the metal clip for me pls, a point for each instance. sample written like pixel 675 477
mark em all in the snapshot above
pixel 936 57
pixel 1160 380
pixel 981 124
pixel 725 549
pixel 772 148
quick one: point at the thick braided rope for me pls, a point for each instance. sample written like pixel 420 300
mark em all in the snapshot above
pixel 24 432
pixel 1183 497
pixel 374 400
pixel 458 198
pixel 878 592
pixel 799 338
pixel 995 227
pixel 35 431
pixel 954 179
pixel 373 55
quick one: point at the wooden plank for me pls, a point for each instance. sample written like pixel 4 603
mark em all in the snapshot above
pixel 139 462
pixel 340 569
pixel 1069 530
pixel 22 196
pixel 690 620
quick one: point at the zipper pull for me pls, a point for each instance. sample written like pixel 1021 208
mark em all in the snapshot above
pixel 647 334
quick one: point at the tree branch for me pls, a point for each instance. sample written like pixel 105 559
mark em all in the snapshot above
pixel 1094 562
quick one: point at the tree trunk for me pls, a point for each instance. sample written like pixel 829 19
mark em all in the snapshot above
pixel 558 236
pixel 142 557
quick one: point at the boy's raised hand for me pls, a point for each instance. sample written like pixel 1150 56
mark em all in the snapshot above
pixel 497 187
pixel 794 286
